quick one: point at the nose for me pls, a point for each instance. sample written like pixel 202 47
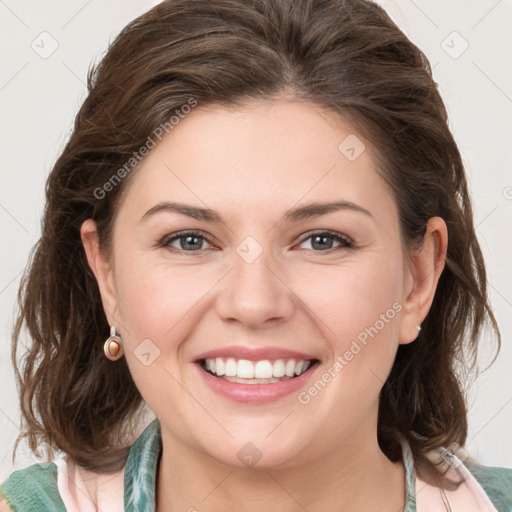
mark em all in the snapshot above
pixel 254 295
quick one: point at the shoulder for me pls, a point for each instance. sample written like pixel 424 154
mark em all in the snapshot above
pixel 32 488
pixel 483 487
pixel 36 487
pixel 496 482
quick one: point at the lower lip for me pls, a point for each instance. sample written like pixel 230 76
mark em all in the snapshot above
pixel 256 393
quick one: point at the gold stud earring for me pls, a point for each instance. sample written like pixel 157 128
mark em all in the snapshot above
pixel 113 347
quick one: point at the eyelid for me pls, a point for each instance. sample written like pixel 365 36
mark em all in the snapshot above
pixel 333 234
pixel 343 239
pixel 346 240
pixel 167 239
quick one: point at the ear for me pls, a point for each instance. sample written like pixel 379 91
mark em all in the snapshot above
pixel 102 270
pixel 422 272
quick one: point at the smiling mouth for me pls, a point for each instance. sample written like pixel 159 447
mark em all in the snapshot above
pixel 244 371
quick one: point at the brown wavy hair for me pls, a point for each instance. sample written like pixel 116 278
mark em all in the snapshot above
pixel 346 56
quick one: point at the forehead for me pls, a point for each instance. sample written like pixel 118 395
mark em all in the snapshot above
pixel 267 156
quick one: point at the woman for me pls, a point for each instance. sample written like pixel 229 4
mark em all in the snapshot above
pixel 262 204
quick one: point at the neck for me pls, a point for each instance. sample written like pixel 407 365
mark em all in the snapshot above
pixel 350 477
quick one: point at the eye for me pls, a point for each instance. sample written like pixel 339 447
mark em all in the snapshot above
pixel 187 241
pixel 322 241
pixel 193 241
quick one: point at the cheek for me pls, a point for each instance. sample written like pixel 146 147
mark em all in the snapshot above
pixel 162 304
pixel 157 300
pixel 357 308
pixel 349 298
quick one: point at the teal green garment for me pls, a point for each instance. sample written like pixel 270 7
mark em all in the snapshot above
pixel 496 482
pixel 34 489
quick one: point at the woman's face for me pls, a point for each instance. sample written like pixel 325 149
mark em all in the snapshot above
pixel 258 285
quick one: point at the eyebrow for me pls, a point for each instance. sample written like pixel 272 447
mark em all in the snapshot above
pixel 293 215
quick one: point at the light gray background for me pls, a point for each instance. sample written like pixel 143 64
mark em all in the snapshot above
pixel 39 98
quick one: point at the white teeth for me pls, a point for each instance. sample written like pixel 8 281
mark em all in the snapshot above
pixel 290 368
pixel 278 368
pixel 255 371
pixel 219 366
pixel 263 370
pixel 254 381
pixel 245 369
pixel 230 368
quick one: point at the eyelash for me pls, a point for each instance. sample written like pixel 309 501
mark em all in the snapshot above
pixel 345 241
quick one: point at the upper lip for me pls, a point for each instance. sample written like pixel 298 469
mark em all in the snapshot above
pixel 254 354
